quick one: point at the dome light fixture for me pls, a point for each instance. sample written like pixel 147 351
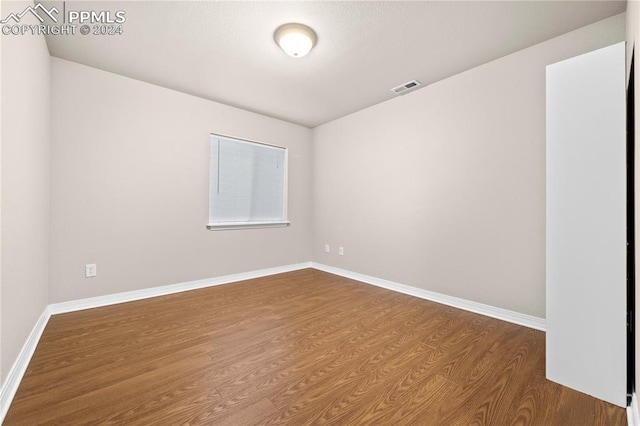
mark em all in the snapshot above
pixel 295 39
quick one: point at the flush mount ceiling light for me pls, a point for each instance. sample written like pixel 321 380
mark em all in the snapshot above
pixel 295 39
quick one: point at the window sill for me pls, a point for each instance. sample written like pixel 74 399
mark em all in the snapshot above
pixel 246 225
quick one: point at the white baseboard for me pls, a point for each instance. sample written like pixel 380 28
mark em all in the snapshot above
pixel 633 417
pixel 467 305
pixel 19 367
pixel 129 296
pixel 10 385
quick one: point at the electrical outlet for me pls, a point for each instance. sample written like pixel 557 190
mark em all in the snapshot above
pixel 341 251
pixel 327 248
pixel 90 270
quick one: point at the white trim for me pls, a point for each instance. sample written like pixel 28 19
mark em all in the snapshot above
pixel 19 367
pixel 246 225
pixel 129 296
pixel 633 417
pixel 468 305
pixel 456 302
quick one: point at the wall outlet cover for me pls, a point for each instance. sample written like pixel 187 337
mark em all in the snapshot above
pixel 90 270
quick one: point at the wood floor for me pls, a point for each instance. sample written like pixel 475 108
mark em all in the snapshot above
pixel 300 348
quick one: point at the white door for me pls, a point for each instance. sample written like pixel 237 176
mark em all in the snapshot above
pixel 586 224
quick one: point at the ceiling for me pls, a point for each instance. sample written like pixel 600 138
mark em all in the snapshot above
pixel 224 51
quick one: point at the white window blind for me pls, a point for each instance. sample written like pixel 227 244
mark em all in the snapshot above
pixel 247 184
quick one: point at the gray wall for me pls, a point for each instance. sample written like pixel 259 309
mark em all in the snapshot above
pixel 444 188
pixel 26 157
pixel 130 180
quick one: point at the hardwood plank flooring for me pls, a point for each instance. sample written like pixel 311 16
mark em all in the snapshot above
pixel 300 348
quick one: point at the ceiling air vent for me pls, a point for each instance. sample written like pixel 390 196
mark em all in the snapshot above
pixel 406 87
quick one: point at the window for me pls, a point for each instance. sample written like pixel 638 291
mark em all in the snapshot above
pixel 248 184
